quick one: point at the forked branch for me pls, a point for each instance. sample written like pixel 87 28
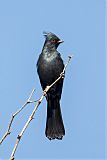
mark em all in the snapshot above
pixel 14 115
pixel 33 112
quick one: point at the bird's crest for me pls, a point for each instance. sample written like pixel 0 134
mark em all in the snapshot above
pixel 46 33
pixel 49 35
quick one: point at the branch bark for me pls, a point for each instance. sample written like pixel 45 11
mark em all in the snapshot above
pixel 14 115
pixel 33 112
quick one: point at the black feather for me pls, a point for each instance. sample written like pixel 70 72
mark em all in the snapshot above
pixel 49 67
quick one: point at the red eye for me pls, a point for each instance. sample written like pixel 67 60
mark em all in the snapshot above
pixel 53 41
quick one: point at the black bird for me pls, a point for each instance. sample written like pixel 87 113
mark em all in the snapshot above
pixel 49 67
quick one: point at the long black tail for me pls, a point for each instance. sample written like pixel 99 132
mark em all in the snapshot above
pixel 54 124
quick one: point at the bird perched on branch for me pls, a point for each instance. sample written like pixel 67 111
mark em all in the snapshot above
pixel 49 67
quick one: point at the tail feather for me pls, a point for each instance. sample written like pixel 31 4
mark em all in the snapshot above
pixel 54 124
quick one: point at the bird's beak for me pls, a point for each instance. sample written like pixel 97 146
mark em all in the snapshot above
pixel 60 41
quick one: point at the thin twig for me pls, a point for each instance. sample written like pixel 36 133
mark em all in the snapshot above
pixel 14 115
pixel 33 113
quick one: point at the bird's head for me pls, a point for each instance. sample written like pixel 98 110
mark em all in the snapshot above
pixel 52 40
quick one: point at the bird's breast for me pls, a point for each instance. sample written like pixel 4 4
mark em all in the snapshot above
pixel 50 67
pixel 49 58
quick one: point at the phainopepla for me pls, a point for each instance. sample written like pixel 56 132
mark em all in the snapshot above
pixel 49 67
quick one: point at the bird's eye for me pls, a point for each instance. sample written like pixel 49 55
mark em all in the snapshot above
pixel 53 41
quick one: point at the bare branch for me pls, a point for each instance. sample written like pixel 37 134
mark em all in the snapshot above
pixel 13 116
pixel 33 113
